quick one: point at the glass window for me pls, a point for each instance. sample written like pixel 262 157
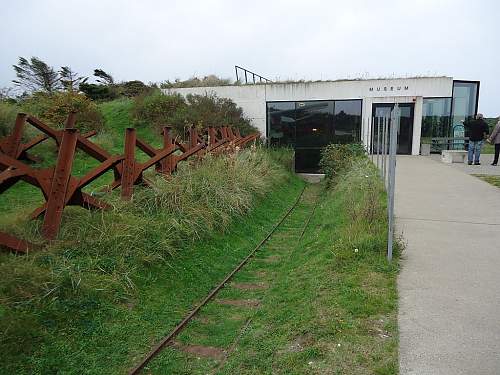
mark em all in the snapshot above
pixel 281 123
pixel 314 123
pixel 464 101
pixel 347 121
pixel 308 126
pixel 435 118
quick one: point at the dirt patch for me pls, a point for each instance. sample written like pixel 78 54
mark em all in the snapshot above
pixel 201 351
pixel 239 302
pixel 249 286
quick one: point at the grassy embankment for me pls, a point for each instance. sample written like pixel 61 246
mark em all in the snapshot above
pixel 329 301
pixel 115 281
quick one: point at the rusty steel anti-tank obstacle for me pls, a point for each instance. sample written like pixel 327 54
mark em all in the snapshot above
pixel 60 188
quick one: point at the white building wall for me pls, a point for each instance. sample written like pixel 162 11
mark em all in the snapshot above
pixel 252 98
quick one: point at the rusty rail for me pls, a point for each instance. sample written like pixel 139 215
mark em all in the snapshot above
pixel 169 337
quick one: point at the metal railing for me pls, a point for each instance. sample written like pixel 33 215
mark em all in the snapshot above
pixel 383 144
pixel 246 73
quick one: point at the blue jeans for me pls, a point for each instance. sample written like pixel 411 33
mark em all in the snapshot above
pixel 474 151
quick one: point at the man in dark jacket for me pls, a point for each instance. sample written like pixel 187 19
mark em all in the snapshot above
pixel 478 131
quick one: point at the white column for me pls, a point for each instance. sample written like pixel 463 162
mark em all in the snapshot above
pixel 417 126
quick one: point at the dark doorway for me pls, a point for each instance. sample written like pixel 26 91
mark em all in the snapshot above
pixel 308 126
pixel 405 134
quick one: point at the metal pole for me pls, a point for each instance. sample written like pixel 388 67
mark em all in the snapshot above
pixel 384 163
pixel 236 69
pixel 382 169
pixel 372 137
pixel 395 115
pixel 378 142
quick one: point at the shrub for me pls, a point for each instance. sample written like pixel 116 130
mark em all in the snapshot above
pixel 337 158
pixel 210 110
pixel 8 114
pixel 132 88
pixel 98 92
pixel 54 109
pixel 160 110
pixel 201 111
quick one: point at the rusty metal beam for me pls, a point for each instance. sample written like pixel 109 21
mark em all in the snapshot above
pixel 128 164
pixel 60 184
pixel 16 244
pixel 12 146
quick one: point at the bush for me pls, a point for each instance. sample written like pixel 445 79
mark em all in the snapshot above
pixel 98 92
pixel 8 114
pixel 210 110
pixel 132 88
pixel 201 111
pixel 337 158
pixel 160 110
pixel 54 109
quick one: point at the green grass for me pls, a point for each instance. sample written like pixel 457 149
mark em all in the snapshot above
pixel 488 148
pixel 494 180
pixel 329 308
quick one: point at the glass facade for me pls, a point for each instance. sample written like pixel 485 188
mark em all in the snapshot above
pixel 281 123
pixel 436 118
pixel 308 126
pixel 444 117
pixel 464 106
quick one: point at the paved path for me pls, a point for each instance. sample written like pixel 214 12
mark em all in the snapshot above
pixel 484 168
pixel 449 286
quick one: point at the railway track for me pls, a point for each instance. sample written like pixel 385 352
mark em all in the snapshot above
pixel 286 233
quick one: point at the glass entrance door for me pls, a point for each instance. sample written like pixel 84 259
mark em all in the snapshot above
pixel 405 133
pixel 314 130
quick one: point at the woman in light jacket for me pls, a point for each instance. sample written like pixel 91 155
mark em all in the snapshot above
pixel 494 138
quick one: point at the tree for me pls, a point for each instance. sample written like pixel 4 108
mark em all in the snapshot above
pixel 35 75
pixel 70 79
pixel 98 92
pixel 103 77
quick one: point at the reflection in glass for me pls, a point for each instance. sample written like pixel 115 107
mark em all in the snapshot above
pixel 314 123
pixel 308 126
pixel 281 123
pixel 347 121
pixel 435 119
pixel 464 101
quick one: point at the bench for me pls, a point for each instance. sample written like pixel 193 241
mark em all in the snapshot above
pixel 445 143
pixel 453 156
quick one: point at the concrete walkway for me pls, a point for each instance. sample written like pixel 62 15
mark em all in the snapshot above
pixel 449 316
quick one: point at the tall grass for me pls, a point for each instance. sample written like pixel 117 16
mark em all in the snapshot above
pixel 364 206
pixel 99 254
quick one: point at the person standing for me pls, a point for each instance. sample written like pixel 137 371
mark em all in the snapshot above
pixel 478 131
pixel 494 139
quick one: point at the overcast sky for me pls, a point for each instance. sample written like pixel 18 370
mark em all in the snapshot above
pixel 153 40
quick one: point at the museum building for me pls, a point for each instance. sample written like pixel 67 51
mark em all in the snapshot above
pixel 309 115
